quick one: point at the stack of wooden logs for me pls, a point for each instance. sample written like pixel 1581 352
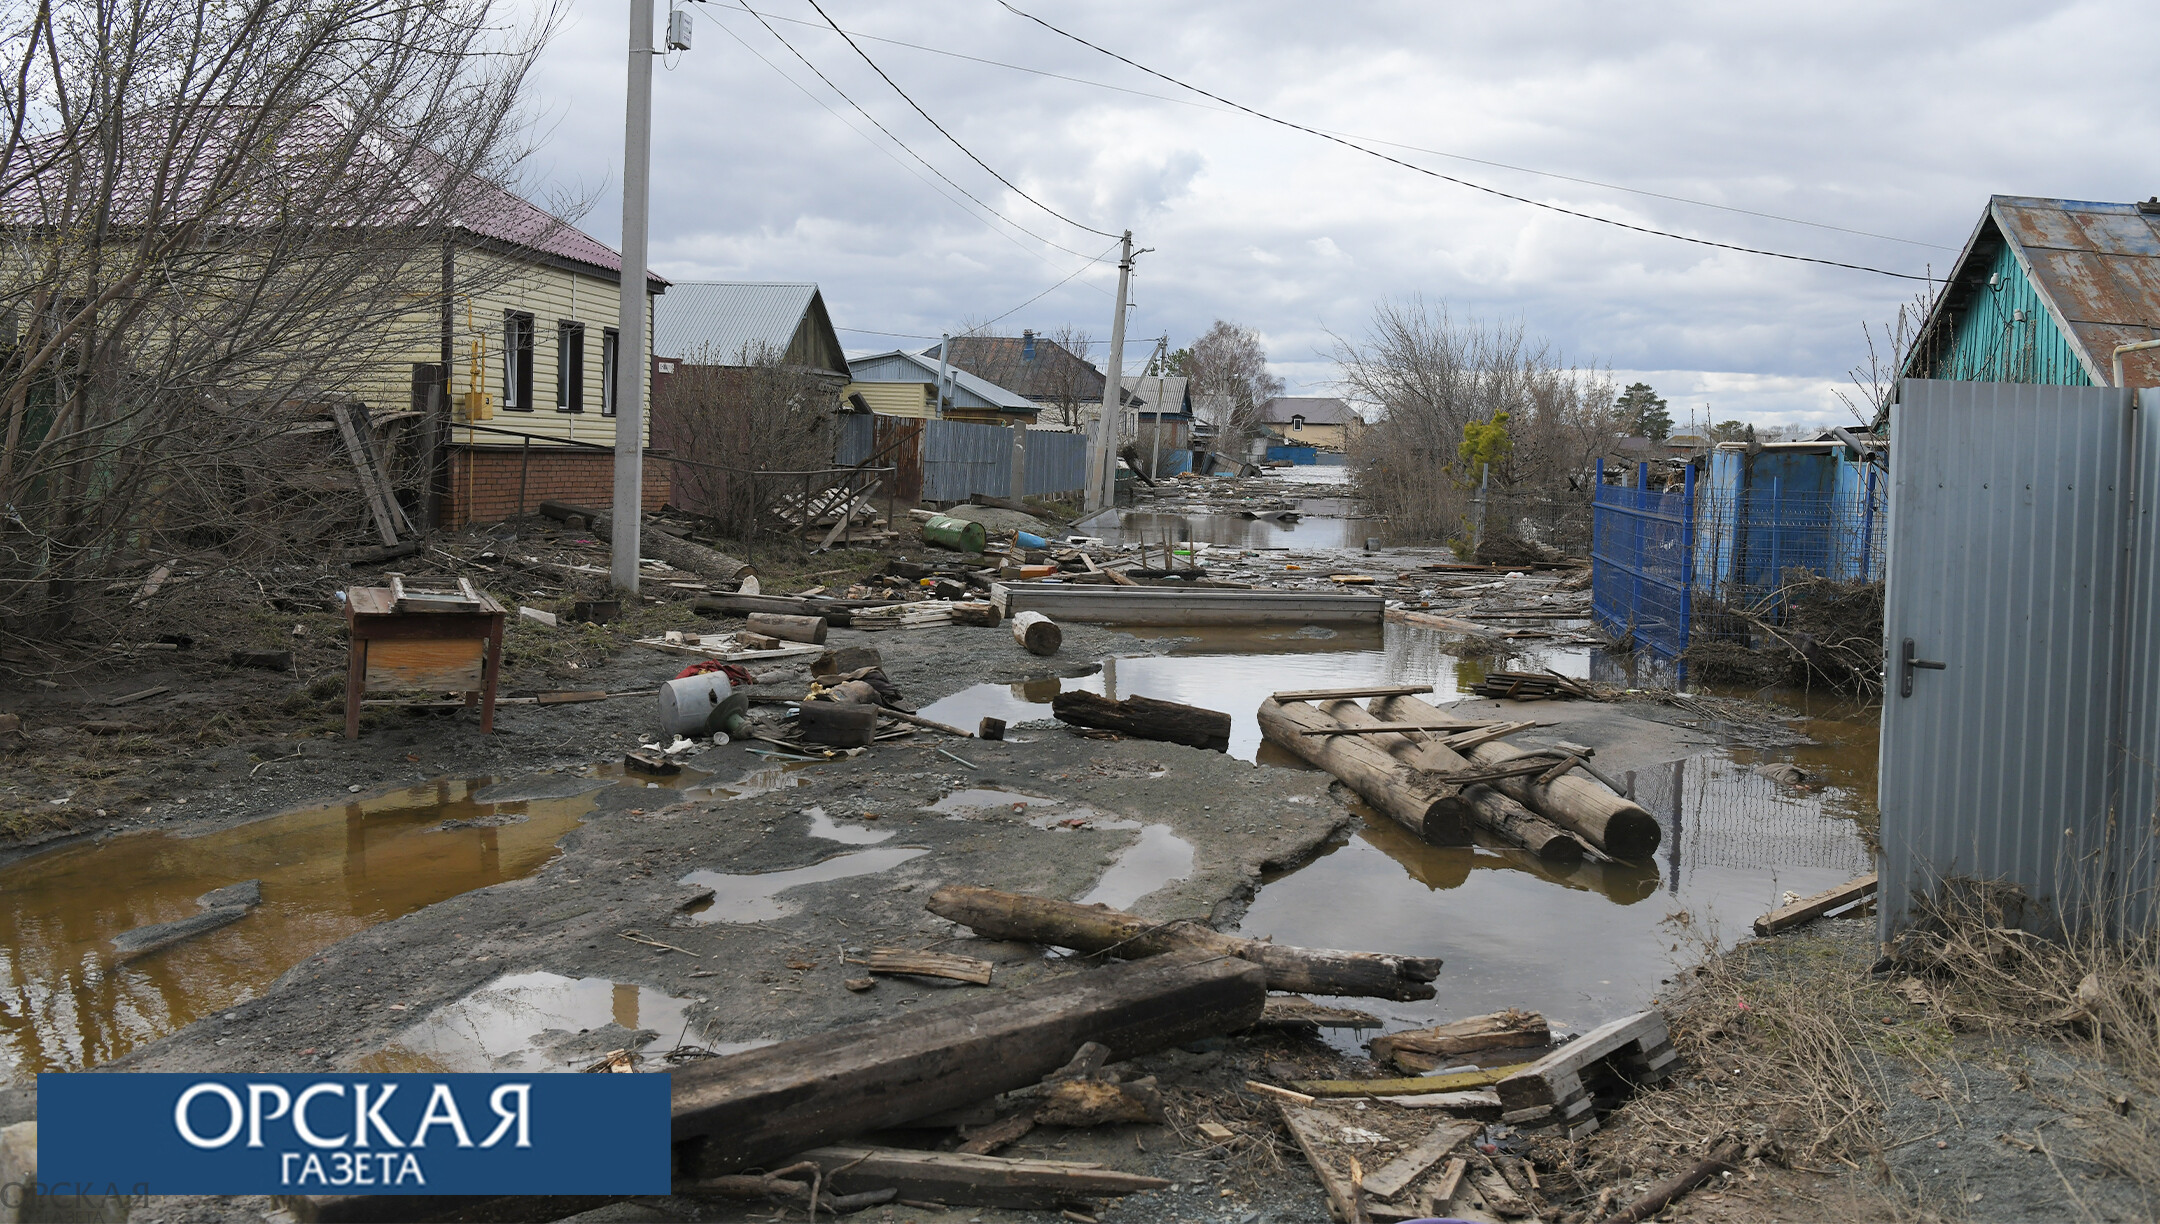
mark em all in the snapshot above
pixel 1448 780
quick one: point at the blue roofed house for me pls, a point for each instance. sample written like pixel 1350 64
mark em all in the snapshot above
pixel 904 384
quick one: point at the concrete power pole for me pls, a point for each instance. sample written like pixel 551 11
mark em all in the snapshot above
pixel 632 370
pixel 1102 471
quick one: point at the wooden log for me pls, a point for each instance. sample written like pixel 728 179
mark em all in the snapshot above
pixel 1807 909
pixel 1038 633
pixel 1292 1011
pixel 809 629
pixel 981 613
pixel 976 1181
pixel 1616 825
pixel 682 554
pixel 1144 718
pixel 1434 811
pixel 1499 818
pixel 784 605
pixel 750 1109
pixel 917 720
pixel 1095 928
pixel 1423 1049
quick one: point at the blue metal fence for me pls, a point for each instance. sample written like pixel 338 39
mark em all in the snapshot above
pixel 1662 562
pixel 1642 545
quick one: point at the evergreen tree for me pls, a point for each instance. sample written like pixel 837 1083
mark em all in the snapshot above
pixel 1641 412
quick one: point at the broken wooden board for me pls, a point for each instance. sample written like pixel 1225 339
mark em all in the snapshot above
pixel 1375 1161
pixel 1807 909
pixel 971 1180
pixel 1556 1090
pixel 1395 1176
pixel 1287 1010
pixel 1424 1049
pixel 1381 690
pixel 749 1109
pixel 927 964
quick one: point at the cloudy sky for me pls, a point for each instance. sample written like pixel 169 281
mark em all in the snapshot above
pixel 1894 120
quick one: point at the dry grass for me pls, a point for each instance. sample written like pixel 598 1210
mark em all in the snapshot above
pixel 2099 997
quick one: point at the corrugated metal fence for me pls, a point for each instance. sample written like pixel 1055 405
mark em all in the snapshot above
pixel 2021 718
pixel 958 459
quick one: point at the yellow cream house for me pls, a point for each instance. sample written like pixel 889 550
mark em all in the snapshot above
pixel 520 377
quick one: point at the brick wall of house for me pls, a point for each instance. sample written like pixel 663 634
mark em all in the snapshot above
pixel 485 481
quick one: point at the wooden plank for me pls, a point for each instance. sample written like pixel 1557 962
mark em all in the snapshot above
pixel 451 665
pixel 1312 1139
pixel 1431 621
pixel 1422 1049
pixel 1544 1079
pixel 753 1108
pixel 1377 690
pixel 971 1179
pixel 1295 1009
pixel 1454 1081
pixel 379 505
pixel 1184 605
pixel 1393 1177
pixel 927 964
pixel 1807 909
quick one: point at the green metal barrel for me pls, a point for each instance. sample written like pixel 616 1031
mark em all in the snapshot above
pixel 955 533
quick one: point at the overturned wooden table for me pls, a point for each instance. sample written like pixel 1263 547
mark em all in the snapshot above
pixel 427 640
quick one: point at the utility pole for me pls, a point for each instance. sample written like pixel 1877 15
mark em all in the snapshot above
pixel 1102 472
pixel 944 363
pixel 1160 359
pixel 632 369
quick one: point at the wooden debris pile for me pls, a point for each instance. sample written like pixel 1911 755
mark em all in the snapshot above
pixel 1532 686
pixel 1602 1066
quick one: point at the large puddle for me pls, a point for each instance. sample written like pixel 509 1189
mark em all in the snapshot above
pixel 1317 522
pixel 1233 670
pixel 326 872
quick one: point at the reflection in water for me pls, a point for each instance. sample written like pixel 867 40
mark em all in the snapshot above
pixel 536 1022
pixel 1233 670
pixel 326 873
pixel 1318 525
pixel 755 898
pixel 1591 949
pixel 1158 858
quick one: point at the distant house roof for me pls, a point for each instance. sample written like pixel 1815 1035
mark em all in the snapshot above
pixel 1166 396
pixel 2092 270
pixel 899 365
pixel 1316 409
pixel 396 181
pixel 1034 366
pixel 732 322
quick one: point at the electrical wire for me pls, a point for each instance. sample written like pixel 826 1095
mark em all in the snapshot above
pixel 905 147
pixel 1015 310
pixel 1393 144
pixel 1015 187
pixel 1461 182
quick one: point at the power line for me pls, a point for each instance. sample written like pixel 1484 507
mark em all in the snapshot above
pixel 1460 182
pixel 941 127
pixel 1396 144
pixel 895 139
pixel 1015 310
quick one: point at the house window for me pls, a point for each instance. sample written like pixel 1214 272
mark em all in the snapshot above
pixel 1297 423
pixel 569 367
pixel 517 361
pixel 610 342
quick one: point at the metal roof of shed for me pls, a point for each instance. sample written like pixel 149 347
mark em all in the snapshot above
pixel 2095 264
pixel 723 321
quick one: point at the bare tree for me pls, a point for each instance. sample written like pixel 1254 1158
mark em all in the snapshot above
pixel 1230 384
pixel 1074 396
pixel 215 218
pixel 1874 381
pixel 1427 377
pixel 731 417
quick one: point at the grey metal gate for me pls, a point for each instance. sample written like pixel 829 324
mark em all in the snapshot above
pixel 2018 736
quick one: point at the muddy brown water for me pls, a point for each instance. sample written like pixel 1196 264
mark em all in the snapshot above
pixel 1319 523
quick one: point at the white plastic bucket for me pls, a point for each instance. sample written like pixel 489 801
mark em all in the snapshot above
pixel 686 704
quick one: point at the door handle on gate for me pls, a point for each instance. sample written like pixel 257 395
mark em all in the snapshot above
pixel 1906 664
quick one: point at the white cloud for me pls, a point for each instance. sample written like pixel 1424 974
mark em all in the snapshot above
pixel 1897 120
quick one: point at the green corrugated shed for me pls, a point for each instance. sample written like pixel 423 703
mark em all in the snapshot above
pixel 2043 292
